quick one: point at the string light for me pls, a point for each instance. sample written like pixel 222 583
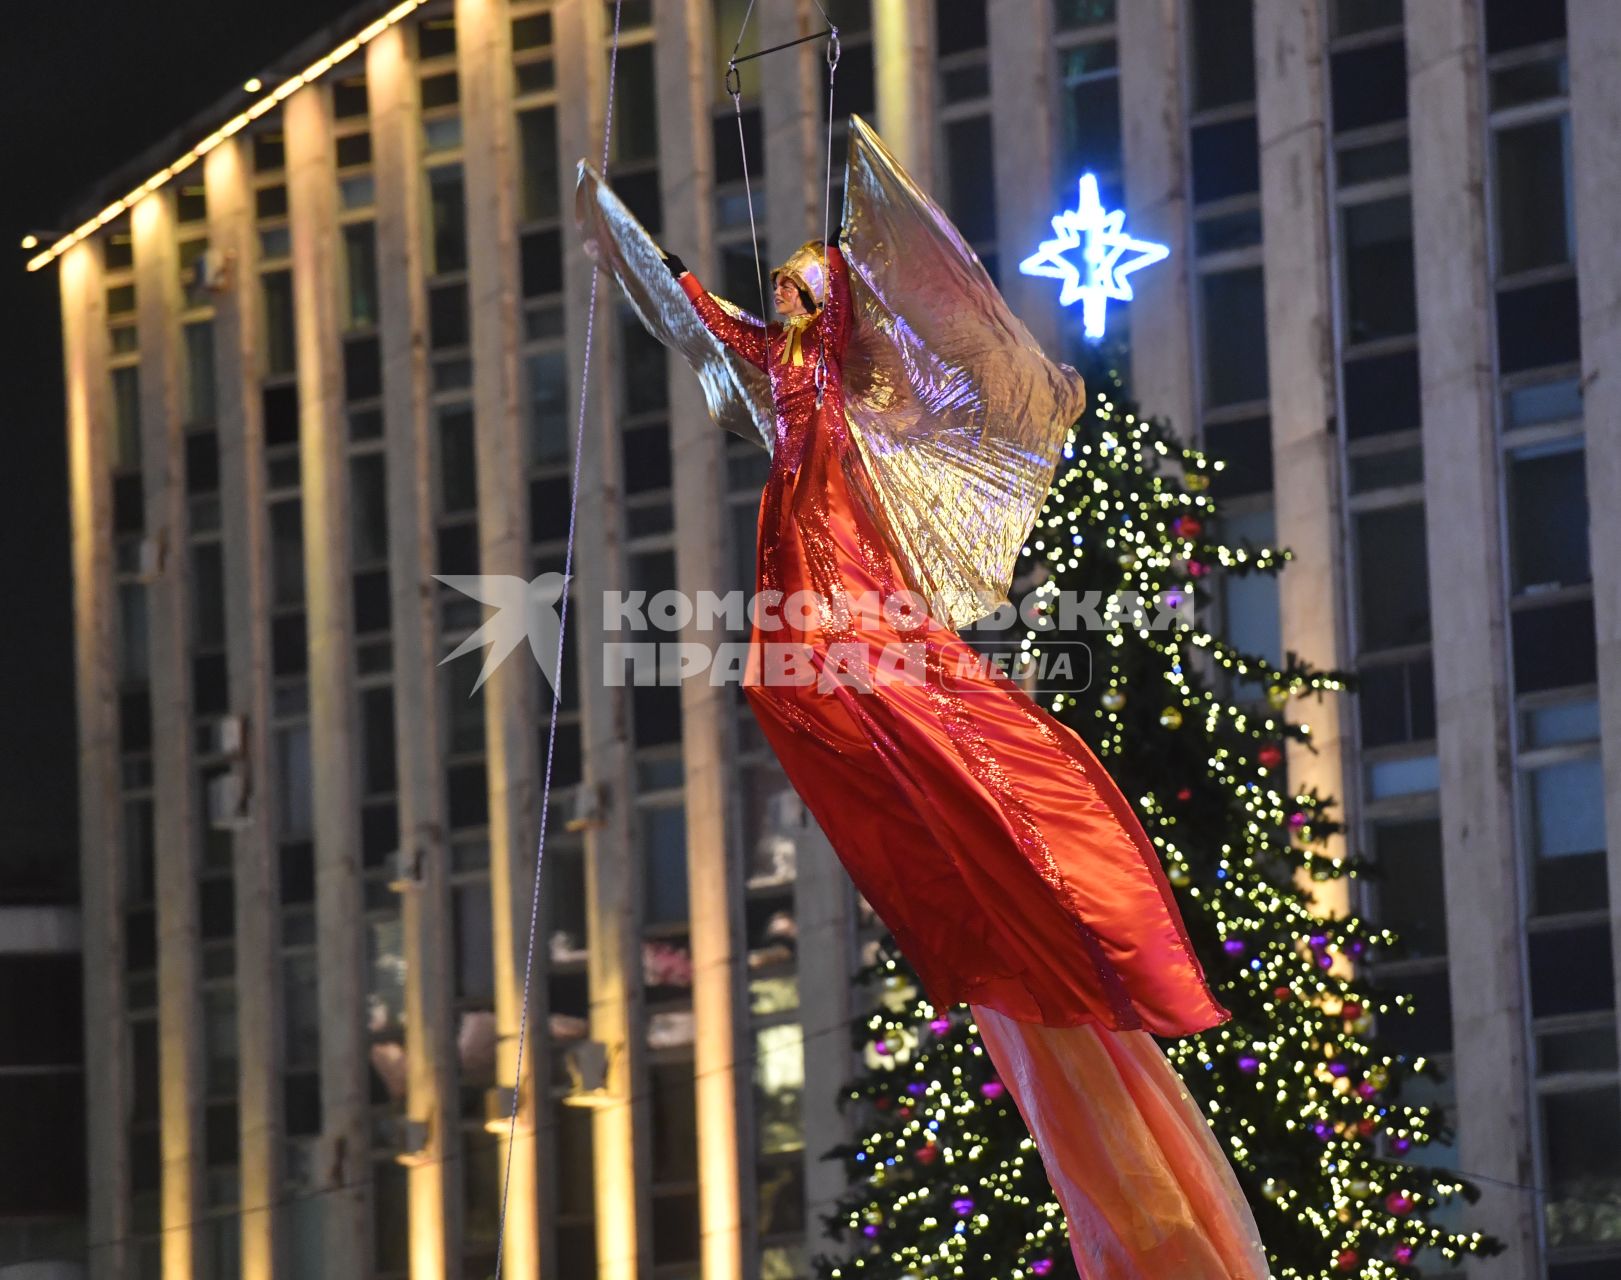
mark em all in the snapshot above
pixel 1306 1101
pixel 229 129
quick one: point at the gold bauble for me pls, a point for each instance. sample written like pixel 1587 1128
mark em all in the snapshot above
pixel 1196 482
pixel 1126 561
pixel 1273 1188
pixel 1179 877
pixel 1112 699
pixel 1171 718
pixel 1278 696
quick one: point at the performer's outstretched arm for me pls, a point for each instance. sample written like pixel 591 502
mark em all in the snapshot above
pixel 747 340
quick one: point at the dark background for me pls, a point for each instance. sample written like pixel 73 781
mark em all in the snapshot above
pixel 84 89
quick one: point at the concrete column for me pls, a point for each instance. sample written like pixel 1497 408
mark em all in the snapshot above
pixel 1023 166
pixel 431 1064
pixel 312 192
pixel 101 836
pixel 621 1128
pixel 795 132
pixel 1595 113
pixel 1472 686
pixel 180 1046
pixel 489 163
pixel 1153 38
pixel 726 1199
pixel 1291 97
pixel 903 75
pixel 245 537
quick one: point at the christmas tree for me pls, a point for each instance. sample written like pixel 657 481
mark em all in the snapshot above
pixel 944 1178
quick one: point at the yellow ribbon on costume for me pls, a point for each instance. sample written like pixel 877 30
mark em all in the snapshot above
pixel 793 351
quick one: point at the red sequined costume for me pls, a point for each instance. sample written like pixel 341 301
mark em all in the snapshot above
pixel 996 848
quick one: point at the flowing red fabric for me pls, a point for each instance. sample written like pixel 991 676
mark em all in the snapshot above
pixel 990 840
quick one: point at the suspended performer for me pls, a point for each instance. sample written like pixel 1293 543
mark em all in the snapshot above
pixel 914 429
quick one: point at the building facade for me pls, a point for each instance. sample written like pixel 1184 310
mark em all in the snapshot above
pixel 334 347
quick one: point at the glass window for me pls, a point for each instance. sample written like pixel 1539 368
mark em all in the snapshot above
pixel 1513 24
pixel 1380 299
pixel 448 219
pixel 377 740
pixel 537 140
pixel 972 199
pixel 1571 970
pixel 1581 1134
pixel 303 1010
pixel 126 419
pixel 1089 102
pixel 959 27
pixel 1246 447
pixel 541 262
pixel 532 31
pixel 1555 646
pixel 636 136
pixel 134 658
pixel 294 783
pixel 440 90
pixel 369 508
pixel 200 399
pixel 1393 593
pixel 1368 85
pixel 1538 325
pixel 475 954
pixel 1565 814
pixel 1396 702
pixel 208 596
pixel 644 368
pixel 1382 395
pixel 1082 13
pixel 1548 515
pixel 362 369
pixel 269 151
pixel 287 552
pixel 1223 52
pixel 279 344
pixel 1226 160
pixel 1233 316
pixel 458 474
pixel 548 406
pixel 1532 193
pixel 664 862
pixel 447 316
pixel 1411 891
pixel 675 1122
pixel 1352 17
pixel 360 273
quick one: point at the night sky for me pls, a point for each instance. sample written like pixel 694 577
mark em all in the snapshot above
pixel 84 88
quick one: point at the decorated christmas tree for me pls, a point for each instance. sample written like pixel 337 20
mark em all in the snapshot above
pixel 944 1179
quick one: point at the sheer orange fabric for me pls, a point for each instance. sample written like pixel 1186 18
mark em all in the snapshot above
pixel 1145 1188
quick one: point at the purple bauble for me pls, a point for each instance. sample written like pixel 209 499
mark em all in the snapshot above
pixel 962 1206
pixel 1041 1267
pixel 1248 1064
pixel 1400 1144
pixel 1337 1068
pixel 940 1025
pixel 1323 1130
pixel 881 1047
pixel 1234 946
pixel 992 1089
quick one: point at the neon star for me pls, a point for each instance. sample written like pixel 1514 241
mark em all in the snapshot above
pixel 1107 256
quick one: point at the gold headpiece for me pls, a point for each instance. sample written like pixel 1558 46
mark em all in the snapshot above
pixel 807 269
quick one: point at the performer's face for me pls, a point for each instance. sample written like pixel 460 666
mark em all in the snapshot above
pixel 789 303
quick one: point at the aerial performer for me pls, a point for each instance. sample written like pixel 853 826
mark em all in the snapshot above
pixel 914 428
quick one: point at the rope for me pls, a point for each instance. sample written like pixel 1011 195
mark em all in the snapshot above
pixel 557 699
pixel 734 87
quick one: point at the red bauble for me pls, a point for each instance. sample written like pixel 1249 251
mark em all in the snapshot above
pixel 1351 1011
pixel 1187 526
pixel 1399 1204
pixel 927 1154
pixel 1184 795
pixel 1346 1259
pixel 881 1103
pixel 1269 756
pixel 1281 993
pixel 1367 1127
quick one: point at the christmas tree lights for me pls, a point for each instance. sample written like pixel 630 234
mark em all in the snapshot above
pixel 1308 1105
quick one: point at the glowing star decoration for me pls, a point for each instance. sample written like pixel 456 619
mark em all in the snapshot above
pixel 1107 256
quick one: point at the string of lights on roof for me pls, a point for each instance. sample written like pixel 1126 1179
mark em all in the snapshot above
pixel 231 127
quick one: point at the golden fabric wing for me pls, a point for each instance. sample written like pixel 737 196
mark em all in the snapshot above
pixel 959 416
pixel 737 394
